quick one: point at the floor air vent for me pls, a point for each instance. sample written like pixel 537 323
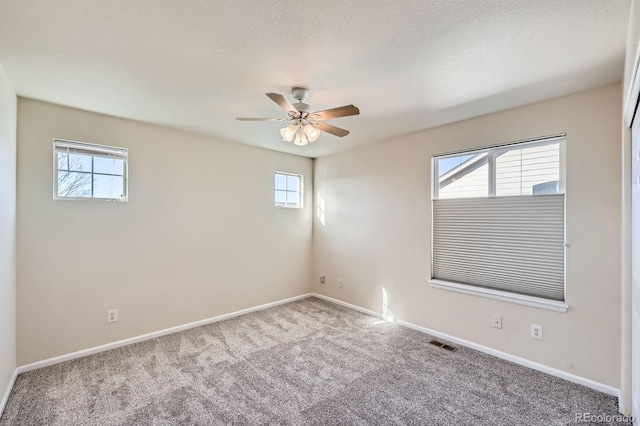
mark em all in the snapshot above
pixel 443 346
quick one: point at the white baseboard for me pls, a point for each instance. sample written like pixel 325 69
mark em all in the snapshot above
pixel 153 335
pixel 601 387
pixel 346 305
pixel 5 398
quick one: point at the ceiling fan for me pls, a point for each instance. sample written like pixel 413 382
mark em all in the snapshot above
pixel 307 125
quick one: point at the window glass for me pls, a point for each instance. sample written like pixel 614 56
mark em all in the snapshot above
pixel 281 181
pixel 72 184
pixel 292 198
pixel 106 186
pixel 79 163
pixel 293 183
pixel 446 164
pixel 62 161
pixel 463 176
pixel 281 198
pixel 111 166
pixel 528 170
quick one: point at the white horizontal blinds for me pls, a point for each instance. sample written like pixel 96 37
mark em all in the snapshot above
pixel 514 244
pixel 89 149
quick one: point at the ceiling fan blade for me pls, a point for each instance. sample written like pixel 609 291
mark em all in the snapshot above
pixel 282 102
pixel 261 119
pixel 343 111
pixel 325 127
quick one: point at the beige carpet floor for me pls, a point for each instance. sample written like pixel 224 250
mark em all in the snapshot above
pixel 306 362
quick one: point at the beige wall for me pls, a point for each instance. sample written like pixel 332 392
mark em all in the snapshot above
pixel 199 237
pixel 376 234
pixel 7 232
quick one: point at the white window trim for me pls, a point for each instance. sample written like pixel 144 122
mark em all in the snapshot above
pixel 505 296
pixel 94 150
pixel 301 193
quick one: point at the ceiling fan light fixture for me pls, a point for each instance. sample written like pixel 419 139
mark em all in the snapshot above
pixel 312 133
pixel 289 132
pixel 301 137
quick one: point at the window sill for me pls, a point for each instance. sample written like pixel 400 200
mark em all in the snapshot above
pixel 102 200
pixel 535 302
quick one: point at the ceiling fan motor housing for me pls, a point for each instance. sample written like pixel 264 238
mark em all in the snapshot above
pixel 300 93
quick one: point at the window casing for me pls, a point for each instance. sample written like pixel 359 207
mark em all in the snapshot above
pixel 288 189
pixel 83 171
pixel 498 222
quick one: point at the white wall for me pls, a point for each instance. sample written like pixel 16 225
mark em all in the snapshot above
pixel 199 237
pixel 7 234
pixel 377 238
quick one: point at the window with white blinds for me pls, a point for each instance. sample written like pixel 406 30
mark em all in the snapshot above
pixel 498 219
pixel 86 171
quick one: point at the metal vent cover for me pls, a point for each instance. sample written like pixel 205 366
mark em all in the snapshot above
pixel 443 346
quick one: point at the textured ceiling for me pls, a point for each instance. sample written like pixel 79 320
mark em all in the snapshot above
pixel 408 65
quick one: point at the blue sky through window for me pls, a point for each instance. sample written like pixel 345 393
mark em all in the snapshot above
pixel 281 181
pixel 288 190
pixel 447 164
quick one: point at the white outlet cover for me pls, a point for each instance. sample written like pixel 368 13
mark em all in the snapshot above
pixel 112 315
pixel 536 332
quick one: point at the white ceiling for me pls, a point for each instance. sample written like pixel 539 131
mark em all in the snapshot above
pixel 408 65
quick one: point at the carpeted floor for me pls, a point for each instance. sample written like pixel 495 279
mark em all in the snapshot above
pixel 306 362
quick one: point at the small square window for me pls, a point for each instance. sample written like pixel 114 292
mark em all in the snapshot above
pixel 288 190
pixel 85 171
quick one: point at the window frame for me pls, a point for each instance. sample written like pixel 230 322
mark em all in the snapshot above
pixel 502 295
pixel 300 192
pixel 92 150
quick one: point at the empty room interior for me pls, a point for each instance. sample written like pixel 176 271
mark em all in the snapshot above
pixel 355 213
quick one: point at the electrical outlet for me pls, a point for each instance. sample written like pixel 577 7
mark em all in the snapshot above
pixel 497 321
pixel 536 332
pixel 322 279
pixel 340 282
pixel 112 315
